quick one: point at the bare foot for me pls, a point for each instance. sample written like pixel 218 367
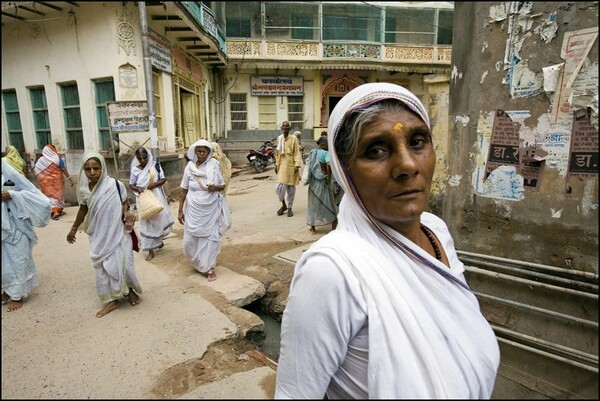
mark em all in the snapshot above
pixel 161 245
pixel 14 305
pixel 312 230
pixel 5 298
pixel 211 276
pixel 134 298
pixel 109 307
pixel 150 255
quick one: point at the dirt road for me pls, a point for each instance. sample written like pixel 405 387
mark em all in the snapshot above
pixel 181 341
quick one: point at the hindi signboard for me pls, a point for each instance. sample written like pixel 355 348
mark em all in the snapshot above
pixel 128 116
pixel 276 86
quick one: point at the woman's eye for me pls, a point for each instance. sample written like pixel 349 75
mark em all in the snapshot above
pixel 375 151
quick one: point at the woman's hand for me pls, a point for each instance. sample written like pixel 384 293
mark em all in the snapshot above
pixel 71 181
pixel 181 217
pixel 71 236
pixel 5 196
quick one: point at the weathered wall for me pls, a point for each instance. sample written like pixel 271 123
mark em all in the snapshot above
pixel 523 155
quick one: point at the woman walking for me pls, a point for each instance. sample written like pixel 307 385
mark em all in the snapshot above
pixel 23 208
pixel 321 206
pixel 148 176
pixel 200 208
pixel 103 206
pixel 49 171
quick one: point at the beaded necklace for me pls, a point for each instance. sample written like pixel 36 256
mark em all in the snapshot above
pixel 432 240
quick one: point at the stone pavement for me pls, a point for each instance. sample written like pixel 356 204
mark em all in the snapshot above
pixel 55 347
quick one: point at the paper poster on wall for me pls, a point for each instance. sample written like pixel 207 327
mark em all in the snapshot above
pixel 504 143
pixel 583 151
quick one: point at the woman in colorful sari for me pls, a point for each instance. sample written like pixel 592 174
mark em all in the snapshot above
pixel 379 308
pixel 23 208
pixel 13 158
pixel 49 171
pixel 321 206
pixel 103 205
pixel 148 175
pixel 200 208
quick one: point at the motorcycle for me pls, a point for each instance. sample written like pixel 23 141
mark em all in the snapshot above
pixel 263 157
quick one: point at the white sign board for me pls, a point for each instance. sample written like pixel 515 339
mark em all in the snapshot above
pixel 276 86
pixel 128 116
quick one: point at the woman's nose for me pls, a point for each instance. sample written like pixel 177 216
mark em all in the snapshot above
pixel 404 163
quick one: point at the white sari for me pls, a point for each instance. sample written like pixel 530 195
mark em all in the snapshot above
pixel 27 208
pixel 372 315
pixel 111 251
pixel 158 227
pixel 202 210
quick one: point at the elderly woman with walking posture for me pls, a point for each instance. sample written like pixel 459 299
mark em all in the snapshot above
pixel 379 308
pixel 146 175
pixel 200 205
pixel 49 171
pixel 23 208
pixel 103 207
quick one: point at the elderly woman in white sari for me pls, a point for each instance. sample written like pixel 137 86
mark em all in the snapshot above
pixel 146 175
pixel 23 208
pixel 200 208
pixel 379 308
pixel 103 205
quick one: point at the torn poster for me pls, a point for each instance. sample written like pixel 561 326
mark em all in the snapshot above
pixel 583 151
pixel 523 81
pixel 575 48
pixel 504 143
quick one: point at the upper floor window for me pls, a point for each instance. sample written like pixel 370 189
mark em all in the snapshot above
pixel 418 26
pixel 243 19
pixel 351 22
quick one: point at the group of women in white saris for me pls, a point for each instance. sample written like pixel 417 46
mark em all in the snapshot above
pixel 104 209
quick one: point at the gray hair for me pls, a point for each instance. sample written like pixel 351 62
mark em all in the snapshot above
pixel 346 141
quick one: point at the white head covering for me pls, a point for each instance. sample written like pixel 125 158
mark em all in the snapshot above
pixel 191 153
pixel 207 169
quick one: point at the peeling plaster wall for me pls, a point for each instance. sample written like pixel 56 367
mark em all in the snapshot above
pixel 524 119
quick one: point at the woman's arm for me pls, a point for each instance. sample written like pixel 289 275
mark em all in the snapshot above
pixel 182 196
pixel 63 169
pixel 81 213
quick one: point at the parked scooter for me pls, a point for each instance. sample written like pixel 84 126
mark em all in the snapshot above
pixel 265 156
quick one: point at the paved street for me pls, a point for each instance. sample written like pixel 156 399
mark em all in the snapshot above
pixel 168 346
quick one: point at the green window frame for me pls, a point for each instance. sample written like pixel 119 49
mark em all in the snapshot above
pixel 41 119
pixel 72 116
pixel 13 119
pixel 104 92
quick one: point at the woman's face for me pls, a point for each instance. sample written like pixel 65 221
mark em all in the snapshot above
pixel 394 167
pixel 142 159
pixel 202 153
pixel 93 171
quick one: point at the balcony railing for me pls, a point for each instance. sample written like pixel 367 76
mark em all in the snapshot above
pixel 314 51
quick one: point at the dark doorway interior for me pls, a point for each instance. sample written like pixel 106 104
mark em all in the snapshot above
pixel 333 100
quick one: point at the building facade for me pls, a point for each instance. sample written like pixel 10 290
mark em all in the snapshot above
pixel 226 71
